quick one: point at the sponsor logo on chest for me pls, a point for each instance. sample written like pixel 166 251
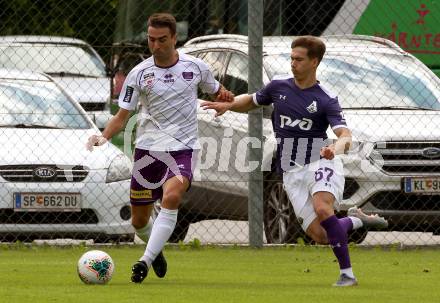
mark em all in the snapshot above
pixel 148 79
pixel 303 124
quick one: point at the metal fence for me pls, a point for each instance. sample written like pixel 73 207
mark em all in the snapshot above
pixel 382 62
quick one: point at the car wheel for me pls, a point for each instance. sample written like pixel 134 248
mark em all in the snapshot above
pixel 184 219
pixel 280 223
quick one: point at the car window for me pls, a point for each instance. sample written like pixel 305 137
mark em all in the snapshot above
pixel 371 81
pixel 53 59
pixel 37 103
pixel 215 61
pixel 236 76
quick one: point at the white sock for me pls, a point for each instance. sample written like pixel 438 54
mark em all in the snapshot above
pixel 348 272
pixel 357 223
pixel 163 227
pixel 145 232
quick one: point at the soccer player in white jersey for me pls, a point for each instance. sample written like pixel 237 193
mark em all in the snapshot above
pixel 164 86
pixel 303 110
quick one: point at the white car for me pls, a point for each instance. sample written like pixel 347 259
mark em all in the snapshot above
pixel 50 184
pixel 391 104
pixel 73 63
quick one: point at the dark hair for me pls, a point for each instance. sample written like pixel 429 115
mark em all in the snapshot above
pixel 315 47
pixel 163 20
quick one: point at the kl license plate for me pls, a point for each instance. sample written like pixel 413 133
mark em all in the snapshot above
pixel 422 185
pixel 47 201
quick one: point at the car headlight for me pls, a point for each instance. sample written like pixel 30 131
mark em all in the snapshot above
pixel 119 169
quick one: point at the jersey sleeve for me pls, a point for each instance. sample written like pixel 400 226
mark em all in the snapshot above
pixel 264 96
pixel 129 95
pixel 335 116
pixel 207 84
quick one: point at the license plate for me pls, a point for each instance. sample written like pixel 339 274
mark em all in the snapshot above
pixel 422 185
pixel 47 201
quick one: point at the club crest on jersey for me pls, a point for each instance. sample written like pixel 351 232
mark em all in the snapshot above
pixel 312 108
pixel 188 75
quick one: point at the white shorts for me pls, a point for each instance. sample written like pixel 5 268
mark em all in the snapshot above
pixel 302 183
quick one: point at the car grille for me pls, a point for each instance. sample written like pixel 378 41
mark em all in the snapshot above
pixel 27 173
pixel 406 158
pixel 93 106
pixel 398 200
pixel 85 216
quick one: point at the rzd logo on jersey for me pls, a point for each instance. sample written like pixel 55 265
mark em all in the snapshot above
pixel 304 123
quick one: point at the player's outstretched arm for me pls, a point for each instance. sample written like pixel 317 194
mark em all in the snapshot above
pixel 114 126
pixel 241 104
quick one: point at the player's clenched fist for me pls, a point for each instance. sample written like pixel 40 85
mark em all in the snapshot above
pixel 224 95
pixel 328 152
pixel 95 140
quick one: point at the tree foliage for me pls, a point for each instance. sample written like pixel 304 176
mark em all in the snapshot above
pixel 89 20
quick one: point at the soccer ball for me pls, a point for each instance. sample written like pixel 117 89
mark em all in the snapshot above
pixel 95 267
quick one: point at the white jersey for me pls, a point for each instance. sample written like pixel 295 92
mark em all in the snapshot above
pixel 167 98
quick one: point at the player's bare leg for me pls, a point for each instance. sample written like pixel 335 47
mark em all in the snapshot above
pixel 140 215
pixel 140 220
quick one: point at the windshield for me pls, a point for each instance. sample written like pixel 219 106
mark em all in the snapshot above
pixel 54 59
pixel 27 103
pixel 371 82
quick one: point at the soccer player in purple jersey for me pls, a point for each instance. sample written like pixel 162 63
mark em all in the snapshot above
pixel 164 90
pixel 313 177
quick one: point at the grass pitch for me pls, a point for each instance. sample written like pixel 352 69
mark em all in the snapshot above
pixel 222 274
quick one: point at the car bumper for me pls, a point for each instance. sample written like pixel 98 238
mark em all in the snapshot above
pixel 105 207
pixel 383 194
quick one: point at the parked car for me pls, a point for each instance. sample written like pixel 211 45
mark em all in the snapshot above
pixel 391 103
pixel 73 63
pixel 50 185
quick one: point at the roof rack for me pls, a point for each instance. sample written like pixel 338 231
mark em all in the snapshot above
pixel 374 39
pixel 208 38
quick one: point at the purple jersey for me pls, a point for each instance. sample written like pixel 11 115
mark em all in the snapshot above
pixel 300 119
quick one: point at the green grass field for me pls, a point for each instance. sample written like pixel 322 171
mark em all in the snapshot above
pixel 223 274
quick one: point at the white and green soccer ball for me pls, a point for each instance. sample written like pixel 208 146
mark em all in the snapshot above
pixel 95 267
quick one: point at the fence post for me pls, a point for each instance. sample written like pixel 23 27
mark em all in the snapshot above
pixel 255 122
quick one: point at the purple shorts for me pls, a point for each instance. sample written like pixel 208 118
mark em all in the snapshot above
pixel 152 168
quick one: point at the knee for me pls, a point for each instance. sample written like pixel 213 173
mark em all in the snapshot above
pixel 138 222
pixel 172 198
pixel 323 211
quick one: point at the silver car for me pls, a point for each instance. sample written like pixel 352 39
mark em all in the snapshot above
pixel 73 63
pixel 50 185
pixel 391 103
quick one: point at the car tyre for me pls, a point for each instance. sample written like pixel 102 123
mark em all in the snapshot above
pixel 280 223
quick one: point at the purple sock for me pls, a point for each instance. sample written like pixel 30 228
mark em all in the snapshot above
pixel 337 237
pixel 346 224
